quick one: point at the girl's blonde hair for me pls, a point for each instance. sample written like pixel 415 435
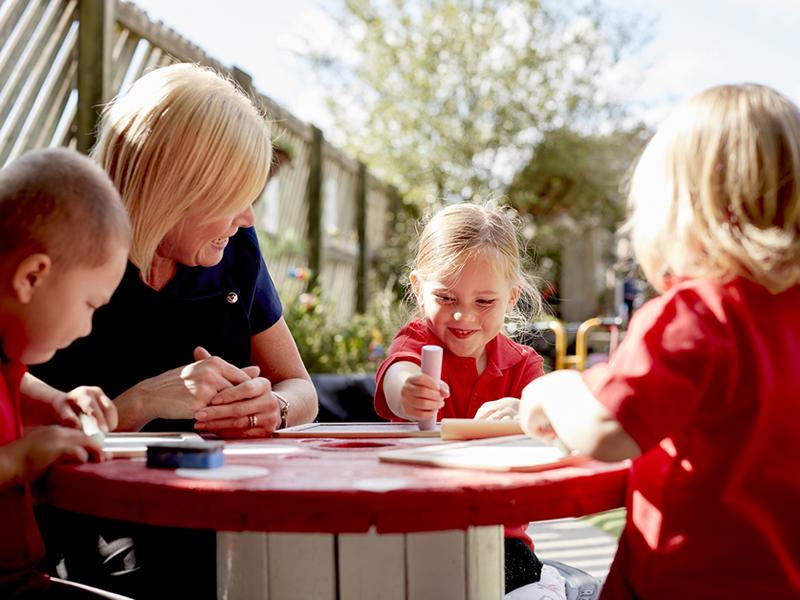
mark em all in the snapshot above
pixel 461 232
pixel 715 193
pixel 182 139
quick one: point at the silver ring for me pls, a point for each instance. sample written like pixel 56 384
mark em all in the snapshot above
pixel 253 421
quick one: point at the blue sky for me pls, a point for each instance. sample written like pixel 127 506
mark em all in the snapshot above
pixel 695 44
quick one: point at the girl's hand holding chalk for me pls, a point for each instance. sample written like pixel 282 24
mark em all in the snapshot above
pixel 423 394
pixel 431 365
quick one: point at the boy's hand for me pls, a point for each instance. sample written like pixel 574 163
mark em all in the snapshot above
pixel 422 397
pixel 89 400
pixel 504 409
pixel 34 452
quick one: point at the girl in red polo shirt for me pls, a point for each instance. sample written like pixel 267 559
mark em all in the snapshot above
pixel 704 392
pixel 467 278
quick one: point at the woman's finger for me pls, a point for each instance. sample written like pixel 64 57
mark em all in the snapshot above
pixel 233 410
pixel 252 371
pixel 201 353
pixel 252 388
pixel 263 422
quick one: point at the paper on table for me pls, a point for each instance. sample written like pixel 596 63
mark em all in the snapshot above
pixel 509 453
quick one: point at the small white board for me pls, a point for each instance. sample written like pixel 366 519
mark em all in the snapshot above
pixel 133 444
pixel 509 453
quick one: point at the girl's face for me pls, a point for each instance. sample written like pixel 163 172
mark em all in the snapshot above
pixel 195 242
pixel 467 313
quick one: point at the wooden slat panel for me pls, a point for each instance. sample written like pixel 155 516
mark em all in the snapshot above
pixel 55 104
pixel 436 565
pixel 124 47
pixel 64 134
pixel 52 96
pixel 372 567
pixel 17 39
pixel 242 565
pixel 53 32
pixel 15 62
pixel 485 563
pixel 302 566
pixel 10 12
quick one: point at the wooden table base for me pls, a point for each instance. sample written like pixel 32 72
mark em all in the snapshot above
pixel 446 565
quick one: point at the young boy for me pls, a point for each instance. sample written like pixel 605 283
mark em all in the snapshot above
pixel 64 238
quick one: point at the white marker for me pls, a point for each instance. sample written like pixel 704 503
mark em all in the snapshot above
pixel 432 367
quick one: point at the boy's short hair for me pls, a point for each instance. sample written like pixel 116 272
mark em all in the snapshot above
pixel 62 203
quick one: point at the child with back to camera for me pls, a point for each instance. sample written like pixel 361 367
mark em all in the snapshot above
pixel 467 277
pixel 64 238
pixel 703 392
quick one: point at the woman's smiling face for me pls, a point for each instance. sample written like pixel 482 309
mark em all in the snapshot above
pixel 196 242
pixel 468 312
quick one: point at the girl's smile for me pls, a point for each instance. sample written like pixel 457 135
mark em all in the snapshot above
pixel 467 313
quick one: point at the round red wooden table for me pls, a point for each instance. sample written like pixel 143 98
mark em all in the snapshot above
pixel 329 520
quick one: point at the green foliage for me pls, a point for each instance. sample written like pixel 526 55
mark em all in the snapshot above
pixel 327 346
pixel 443 98
pixel 578 176
pixel 391 262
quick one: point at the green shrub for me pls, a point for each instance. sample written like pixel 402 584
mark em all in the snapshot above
pixel 327 346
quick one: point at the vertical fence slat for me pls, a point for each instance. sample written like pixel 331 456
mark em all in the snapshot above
pixel 314 201
pixel 361 229
pixel 94 66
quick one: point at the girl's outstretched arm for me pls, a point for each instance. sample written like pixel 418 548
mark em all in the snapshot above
pixel 560 404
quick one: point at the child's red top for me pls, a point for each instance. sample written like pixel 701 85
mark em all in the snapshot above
pixel 707 382
pixel 509 368
pixel 21 546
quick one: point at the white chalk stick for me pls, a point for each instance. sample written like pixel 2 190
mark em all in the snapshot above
pixel 432 367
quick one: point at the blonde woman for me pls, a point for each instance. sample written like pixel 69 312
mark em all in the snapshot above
pixel 193 337
pixel 704 390
pixel 195 329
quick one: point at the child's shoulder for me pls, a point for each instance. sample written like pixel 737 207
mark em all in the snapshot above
pixel 705 297
pixel 509 353
pixel 708 308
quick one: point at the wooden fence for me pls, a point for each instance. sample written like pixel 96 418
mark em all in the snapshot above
pixel 62 59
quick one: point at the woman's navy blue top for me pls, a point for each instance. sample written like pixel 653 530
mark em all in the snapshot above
pixel 142 332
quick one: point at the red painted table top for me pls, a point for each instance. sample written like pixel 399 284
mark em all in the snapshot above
pixel 334 486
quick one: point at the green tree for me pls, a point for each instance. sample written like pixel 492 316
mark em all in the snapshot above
pixel 577 176
pixel 444 98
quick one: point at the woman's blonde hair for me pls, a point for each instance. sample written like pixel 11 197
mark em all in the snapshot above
pixel 182 139
pixel 462 232
pixel 715 193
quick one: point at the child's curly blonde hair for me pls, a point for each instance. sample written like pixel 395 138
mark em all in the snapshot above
pixel 715 193
pixel 460 232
